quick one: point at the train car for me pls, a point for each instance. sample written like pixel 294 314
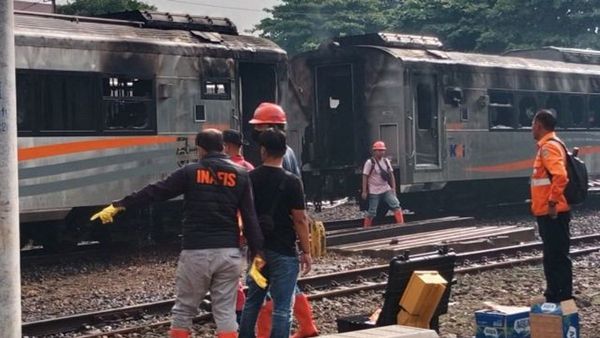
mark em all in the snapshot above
pixel 457 125
pixel 108 105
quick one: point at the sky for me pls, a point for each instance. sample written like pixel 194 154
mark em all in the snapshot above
pixel 244 14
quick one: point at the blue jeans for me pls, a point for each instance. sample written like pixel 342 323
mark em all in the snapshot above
pixel 388 197
pixel 282 274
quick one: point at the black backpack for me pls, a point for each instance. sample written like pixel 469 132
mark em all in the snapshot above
pixel 577 189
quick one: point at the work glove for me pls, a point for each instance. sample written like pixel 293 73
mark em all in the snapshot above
pixel 107 214
pixel 254 272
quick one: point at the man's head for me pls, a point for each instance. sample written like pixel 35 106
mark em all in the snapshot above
pixel 379 149
pixel 543 122
pixel 209 141
pixel 272 144
pixel 233 141
pixel 267 115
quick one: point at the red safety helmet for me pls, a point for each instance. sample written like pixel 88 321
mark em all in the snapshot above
pixel 379 145
pixel 268 113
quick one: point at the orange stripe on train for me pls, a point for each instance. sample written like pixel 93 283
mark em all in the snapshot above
pixel 50 150
pixel 525 164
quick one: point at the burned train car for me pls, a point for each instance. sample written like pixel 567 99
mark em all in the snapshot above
pixel 107 105
pixel 457 125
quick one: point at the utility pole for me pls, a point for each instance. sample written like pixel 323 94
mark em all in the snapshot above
pixel 10 271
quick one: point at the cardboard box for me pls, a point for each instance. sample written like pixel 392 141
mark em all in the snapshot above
pixel 502 322
pixel 554 320
pixel 420 298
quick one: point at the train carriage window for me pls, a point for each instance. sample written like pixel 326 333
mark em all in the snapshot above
pixel 425 106
pixel 216 89
pixel 527 109
pixel 576 111
pixel 26 101
pixel 554 103
pixel 501 110
pixel 594 112
pixel 67 103
pixel 128 103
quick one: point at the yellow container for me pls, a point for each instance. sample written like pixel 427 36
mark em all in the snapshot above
pixel 420 298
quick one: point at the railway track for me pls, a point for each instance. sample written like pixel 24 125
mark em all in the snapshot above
pixel 318 287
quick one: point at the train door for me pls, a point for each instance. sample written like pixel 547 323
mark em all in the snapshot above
pixel 258 83
pixel 426 143
pixel 335 118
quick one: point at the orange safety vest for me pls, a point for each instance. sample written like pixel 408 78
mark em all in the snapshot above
pixel 549 177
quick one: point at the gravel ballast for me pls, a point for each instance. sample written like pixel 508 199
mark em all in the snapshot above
pixel 148 275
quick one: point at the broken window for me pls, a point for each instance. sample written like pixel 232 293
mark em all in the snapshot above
pixel 216 90
pixel 501 110
pixel 128 103
pixel 527 109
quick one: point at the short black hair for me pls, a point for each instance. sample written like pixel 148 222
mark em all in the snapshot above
pixel 273 140
pixel 210 140
pixel 546 118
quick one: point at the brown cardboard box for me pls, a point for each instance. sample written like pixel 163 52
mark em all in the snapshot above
pixel 554 320
pixel 420 298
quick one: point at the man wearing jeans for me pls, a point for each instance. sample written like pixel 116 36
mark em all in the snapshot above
pixel 379 184
pixel 279 197
pixel 214 190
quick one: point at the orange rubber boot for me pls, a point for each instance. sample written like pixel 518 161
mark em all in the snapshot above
pixel 231 334
pixel 263 322
pixel 303 314
pixel 399 216
pixel 367 222
pixel 179 333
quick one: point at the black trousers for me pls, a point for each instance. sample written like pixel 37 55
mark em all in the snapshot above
pixel 557 263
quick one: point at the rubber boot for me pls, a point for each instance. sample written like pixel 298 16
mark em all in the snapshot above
pixel 179 333
pixel 303 314
pixel 263 322
pixel 367 222
pixel 230 334
pixel 399 216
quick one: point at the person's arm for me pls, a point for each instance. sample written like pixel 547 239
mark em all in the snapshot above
pixel 553 160
pixel 301 227
pixel 300 220
pixel 251 229
pixel 170 187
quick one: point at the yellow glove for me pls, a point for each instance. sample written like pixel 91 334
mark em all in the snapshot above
pixel 107 214
pixel 255 274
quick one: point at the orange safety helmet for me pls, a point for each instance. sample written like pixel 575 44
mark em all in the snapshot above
pixel 379 145
pixel 268 113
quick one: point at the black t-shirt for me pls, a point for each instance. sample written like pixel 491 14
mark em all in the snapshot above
pixel 266 187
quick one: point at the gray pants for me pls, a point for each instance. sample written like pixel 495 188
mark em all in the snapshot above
pixel 199 271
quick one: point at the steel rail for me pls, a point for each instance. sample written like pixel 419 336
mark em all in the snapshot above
pixel 75 322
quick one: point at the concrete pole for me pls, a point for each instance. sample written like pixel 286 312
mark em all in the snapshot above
pixel 10 272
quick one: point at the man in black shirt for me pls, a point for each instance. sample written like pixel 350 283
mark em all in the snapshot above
pixel 214 190
pixel 279 200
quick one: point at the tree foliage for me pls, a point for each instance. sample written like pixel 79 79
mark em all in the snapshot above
pixel 468 25
pixel 95 7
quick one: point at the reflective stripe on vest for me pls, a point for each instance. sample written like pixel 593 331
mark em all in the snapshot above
pixel 536 182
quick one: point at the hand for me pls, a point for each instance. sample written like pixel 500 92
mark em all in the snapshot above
pixel 552 210
pixel 257 264
pixel 107 214
pixel 364 195
pixel 305 263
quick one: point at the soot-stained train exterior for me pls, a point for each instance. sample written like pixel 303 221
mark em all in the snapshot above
pixel 457 125
pixel 108 105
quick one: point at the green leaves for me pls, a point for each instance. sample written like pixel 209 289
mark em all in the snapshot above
pixel 95 7
pixel 469 25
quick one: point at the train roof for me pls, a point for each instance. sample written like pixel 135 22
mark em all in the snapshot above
pixel 75 32
pixel 425 49
pixel 488 61
pixel 571 55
